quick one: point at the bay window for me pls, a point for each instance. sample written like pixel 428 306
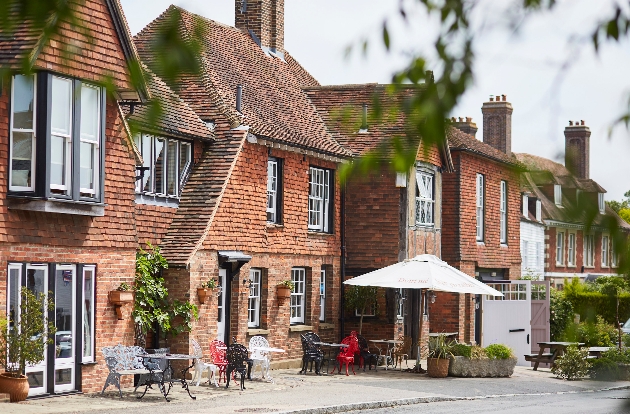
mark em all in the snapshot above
pixel 319 211
pixel 56 135
pixel 167 163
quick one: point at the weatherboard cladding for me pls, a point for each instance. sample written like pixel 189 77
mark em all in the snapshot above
pixel 274 104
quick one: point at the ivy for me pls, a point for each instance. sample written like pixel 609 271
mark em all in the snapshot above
pixel 152 308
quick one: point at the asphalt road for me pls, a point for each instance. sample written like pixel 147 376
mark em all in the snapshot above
pixel 605 402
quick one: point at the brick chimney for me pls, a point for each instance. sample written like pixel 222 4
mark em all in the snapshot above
pixel 265 19
pixel 465 125
pixel 577 137
pixel 497 123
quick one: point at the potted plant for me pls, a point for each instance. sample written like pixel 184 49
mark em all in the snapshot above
pixel 496 360
pixel 123 294
pixel 438 359
pixel 23 342
pixel 205 290
pixel 284 289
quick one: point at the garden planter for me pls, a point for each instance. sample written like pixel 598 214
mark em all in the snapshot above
pixel 17 388
pixel 204 294
pixel 118 298
pixel 475 368
pixel 437 367
pixel 283 292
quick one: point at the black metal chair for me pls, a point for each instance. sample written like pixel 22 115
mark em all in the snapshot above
pixel 366 357
pixel 311 352
pixel 237 358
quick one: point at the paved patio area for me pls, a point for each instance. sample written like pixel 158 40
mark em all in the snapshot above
pixel 332 393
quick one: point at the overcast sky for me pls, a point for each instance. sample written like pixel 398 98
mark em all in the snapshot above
pixel 524 64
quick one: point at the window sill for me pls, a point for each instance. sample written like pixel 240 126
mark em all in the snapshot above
pixel 480 243
pixel 89 363
pixel 78 208
pixel 300 328
pixel 504 246
pixel 323 326
pixel 319 233
pixel 257 331
pixel 275 225
pixel 425 225
pixel 156 200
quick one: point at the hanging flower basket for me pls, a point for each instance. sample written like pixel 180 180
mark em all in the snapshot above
pixel 205 294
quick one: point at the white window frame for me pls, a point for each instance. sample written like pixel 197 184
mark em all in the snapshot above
pixel 33 133
pixel 557 194
pixel 480 207
pixel 560 248
pixel 319 199
pixel 298 296
pixel 605 250
pixel 253 301
pixel 425 200
pixel 589 250
pixel 601 202
pixel 96 142
pixel 525 255
pixel 540 254
pixel 503 212
pixel 571 238
pixel 85 315
pixel 538 210
pixel 151 159
pixel 322 295
pixel 66 137
pixel 525 205
pixel 272 190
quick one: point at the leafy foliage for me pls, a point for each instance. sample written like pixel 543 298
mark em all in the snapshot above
pixel 25 340
pixel 561 313
pixel 462 350
pixel 152 309
pixel 591 299
pixel 604 369
pixel 573 364
pixel 288 283
pixel 499 351
pixel 361 298
pixel 599 333
pixel 440 348
pixel 210 284
pixel 477 352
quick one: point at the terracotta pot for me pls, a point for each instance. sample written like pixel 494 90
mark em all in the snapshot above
pixel 283 292
pixel 17 388
pixel 438 367
pixel 204 293
pixel 120 297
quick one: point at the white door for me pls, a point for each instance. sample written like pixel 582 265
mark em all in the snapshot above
pixel 65 338
pixel 507 320
pixel 221 302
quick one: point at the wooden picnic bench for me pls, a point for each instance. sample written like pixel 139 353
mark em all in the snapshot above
pixel 556 349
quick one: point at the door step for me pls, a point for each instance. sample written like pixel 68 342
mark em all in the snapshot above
pixel 4 398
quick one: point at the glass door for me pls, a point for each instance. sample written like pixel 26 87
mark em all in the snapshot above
pixel 65 338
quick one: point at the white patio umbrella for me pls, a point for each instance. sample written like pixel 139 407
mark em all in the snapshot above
pixel 424 272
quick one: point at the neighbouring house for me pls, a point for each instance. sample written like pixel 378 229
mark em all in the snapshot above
pixel 481 213
pixel 388 216
pixel 532 231
pixel 571 250
pixel 262 202
pixel 67 212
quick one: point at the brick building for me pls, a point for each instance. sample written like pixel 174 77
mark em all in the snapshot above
pixel 481 215
pixel 562 194
pixel 67 200
pixel 262 201
pixel 389 216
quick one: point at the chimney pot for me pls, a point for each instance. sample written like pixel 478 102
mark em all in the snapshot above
pixel 491 98
pixel 453 119
pixel 468 119
pixel 504 98
pixel 460 119
pixel 582 122
pixel 570 123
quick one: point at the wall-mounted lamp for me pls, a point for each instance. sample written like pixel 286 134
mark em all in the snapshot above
pixel 247 281
pixel 431 296
pixel 476 301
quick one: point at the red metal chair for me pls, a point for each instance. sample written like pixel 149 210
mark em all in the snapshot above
pixel 346 355
pixel 217 354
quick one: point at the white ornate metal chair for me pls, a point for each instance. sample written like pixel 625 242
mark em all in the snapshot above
pixel 259 357
pixel 201 366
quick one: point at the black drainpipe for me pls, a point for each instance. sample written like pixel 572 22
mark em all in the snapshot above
pixel 342 294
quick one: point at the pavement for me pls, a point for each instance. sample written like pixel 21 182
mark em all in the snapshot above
pixel 292 392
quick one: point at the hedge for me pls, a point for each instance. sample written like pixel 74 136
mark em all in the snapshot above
pixel 588 304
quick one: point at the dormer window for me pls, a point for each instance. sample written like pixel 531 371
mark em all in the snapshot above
pixel 557 194
pixel 525 205
pixel 601 202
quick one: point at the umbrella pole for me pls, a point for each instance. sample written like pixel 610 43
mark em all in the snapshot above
pixel 420 333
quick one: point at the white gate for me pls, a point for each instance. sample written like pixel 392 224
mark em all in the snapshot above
pixel 507 320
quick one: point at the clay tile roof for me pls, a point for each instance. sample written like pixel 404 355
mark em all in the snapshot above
pixel 177 119
pixel 274 105
pixel 459 140
pixel 200 199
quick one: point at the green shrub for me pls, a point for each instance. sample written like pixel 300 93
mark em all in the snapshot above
pixel 560 313
pixel 599 333
pixel 620 357
pixel 588 300
pixel 573 364
pixel 498 351
pixel 477 352
pixel 462 350
pixel 625 340
pixel 604 369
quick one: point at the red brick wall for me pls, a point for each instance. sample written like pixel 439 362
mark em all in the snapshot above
pixel 551 252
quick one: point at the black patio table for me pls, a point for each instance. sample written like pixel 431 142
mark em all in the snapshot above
pixel 331 349
pixel 167 377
